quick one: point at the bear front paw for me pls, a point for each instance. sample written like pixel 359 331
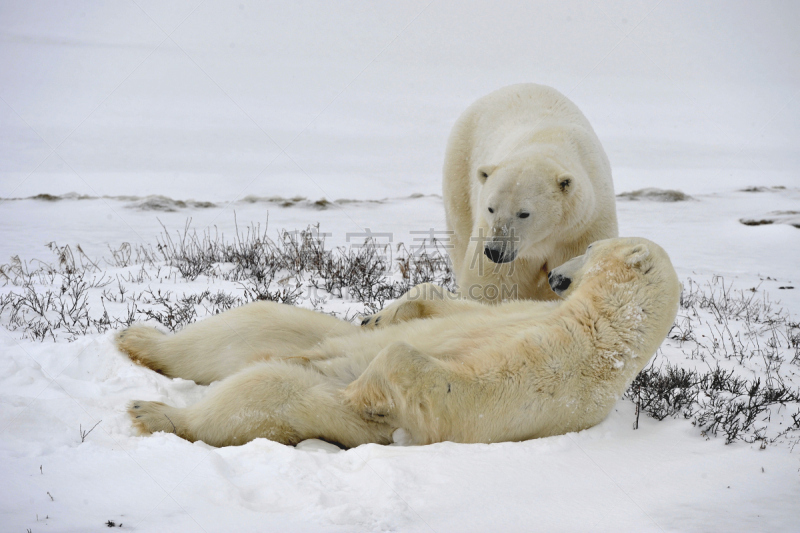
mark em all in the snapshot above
pixel 373 321
pixel 399 311
pixel 370 401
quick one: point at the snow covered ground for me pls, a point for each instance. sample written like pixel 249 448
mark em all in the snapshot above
pixel 242 107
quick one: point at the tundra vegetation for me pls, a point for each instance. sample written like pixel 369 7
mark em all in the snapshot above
pixel 728 365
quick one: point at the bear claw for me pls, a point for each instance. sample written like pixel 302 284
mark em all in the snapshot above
pixel 372 321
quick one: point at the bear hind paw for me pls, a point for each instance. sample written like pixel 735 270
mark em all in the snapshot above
pixel 150 417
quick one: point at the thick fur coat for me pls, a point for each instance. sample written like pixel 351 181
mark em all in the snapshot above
pixel 475 373
pixel 526 187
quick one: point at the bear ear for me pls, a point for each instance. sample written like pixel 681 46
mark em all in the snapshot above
pixel 566 183
pixel 484 171
pixel 637 255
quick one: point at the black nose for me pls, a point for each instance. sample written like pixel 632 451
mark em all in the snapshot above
pixel 495 256
pixel 558 282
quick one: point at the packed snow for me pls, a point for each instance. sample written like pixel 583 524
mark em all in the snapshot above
pixel 122 121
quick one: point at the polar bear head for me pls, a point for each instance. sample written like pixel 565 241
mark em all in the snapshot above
pixel 630 280
pixel 530 199
pixel 611 262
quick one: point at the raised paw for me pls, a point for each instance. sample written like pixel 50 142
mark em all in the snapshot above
pixel 149 417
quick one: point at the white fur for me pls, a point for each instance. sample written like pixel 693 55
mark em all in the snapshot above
pixel 528 138
pixel 515 371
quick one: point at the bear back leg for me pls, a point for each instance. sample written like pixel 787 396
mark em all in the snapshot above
pixel 276 400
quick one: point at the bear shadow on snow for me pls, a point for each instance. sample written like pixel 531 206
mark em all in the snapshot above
pixel 472 373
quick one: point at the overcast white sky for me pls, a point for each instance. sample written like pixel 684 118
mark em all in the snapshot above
pixel 355 99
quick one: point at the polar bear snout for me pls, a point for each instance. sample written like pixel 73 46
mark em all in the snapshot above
pixel 558 282
pixel 499 252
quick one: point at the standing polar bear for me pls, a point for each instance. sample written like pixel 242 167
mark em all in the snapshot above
pixel 510 372
pixel 526 187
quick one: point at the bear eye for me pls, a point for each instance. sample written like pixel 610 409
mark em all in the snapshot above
pixel 564 184
pixel 524 215
pixel 491 210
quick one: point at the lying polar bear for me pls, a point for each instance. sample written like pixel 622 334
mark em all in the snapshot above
pixel 475 373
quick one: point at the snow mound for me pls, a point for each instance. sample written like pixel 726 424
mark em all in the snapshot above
pixel 164 203
pixel 791 218
pixel 653 194
pixel 761 188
